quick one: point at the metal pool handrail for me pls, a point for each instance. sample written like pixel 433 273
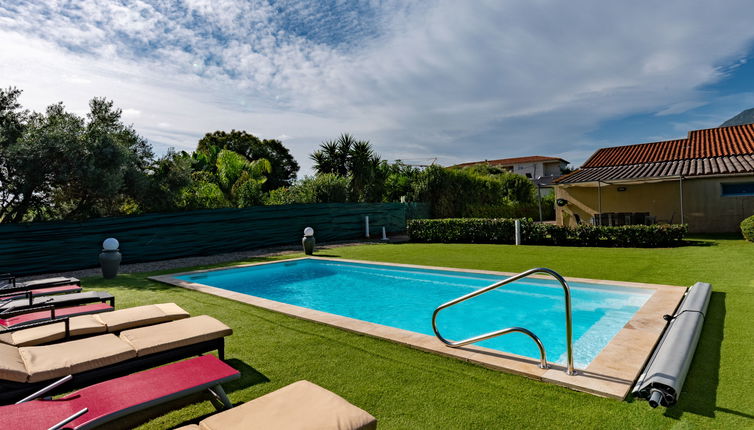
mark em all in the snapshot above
pixel 543 358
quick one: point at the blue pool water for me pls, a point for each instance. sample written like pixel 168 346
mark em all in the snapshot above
pixel 406 297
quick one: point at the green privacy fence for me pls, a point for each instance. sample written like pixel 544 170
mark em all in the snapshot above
pixel 59 246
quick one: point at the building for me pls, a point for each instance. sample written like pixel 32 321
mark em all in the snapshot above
pixel 705 180
pixel 532 167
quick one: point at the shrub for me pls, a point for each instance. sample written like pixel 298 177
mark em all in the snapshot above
pixel 559 234
pixel 500 230
pixel 323 188
pixel 457 192
pixel 280 196
pixel 747 228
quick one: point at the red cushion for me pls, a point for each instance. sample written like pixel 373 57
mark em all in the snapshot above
pixel 60 312
pixel 132 393
pixel 44 291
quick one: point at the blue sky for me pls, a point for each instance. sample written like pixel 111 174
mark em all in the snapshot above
pixel 456 81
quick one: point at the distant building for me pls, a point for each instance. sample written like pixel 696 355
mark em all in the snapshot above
pixel 532 167
pixel 705 180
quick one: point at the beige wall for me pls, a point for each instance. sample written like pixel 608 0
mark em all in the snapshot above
pixel 705 209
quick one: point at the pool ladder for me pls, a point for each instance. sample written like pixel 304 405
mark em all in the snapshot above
pixel 481 337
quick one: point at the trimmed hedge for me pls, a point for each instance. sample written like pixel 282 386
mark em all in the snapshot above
pixel 502 230
pixel 747 228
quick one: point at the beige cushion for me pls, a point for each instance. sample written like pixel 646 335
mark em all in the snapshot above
pixel 189 427
pixel 175 334
pixel 123 319
pixel 76 356
pixel 81 325
pixel 12 366
pixel 299 406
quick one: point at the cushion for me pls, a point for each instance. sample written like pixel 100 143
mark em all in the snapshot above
pixel 189 427
pixel 12 367
pixel 175 334
pixel 80 326
pixel 300 406
pixel 138 316
pixel 76 356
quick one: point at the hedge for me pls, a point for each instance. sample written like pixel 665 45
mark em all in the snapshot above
pixel 502 230
pixel 747 228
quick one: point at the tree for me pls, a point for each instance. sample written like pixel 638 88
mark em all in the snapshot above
pixel 167 177
pixel 239 181
pixel 111 168
pixel 284 166
pixel 57 165
pixel 355 159
pixel 399 178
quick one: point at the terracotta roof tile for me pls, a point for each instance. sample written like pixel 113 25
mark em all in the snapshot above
pixel 733 164
pixel 708 143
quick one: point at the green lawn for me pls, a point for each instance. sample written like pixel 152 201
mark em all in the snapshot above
pixel 409 389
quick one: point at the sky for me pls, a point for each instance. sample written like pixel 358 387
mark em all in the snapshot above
pixel 451 81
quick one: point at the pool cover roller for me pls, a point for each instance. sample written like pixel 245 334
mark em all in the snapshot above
pixel 663 378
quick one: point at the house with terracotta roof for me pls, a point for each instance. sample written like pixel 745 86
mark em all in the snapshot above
pixel 705 180
pixel 532 167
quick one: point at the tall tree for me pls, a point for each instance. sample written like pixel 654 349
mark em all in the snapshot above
pixel 284 166
pixel 57 165
pixel 352 158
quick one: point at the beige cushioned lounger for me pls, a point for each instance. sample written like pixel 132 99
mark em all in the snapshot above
pixel 299 406
pixel 106 322
pixel 40 363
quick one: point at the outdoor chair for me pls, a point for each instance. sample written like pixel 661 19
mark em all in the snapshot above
pixel 298 406
pixel 105 402
pixel 46 291
pixel 8 283
pixel 56 329
pixel 74 299
pixel 26 369
pixel 47 313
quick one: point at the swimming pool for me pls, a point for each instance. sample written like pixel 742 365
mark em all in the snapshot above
pixel 405 297
pixel 599 308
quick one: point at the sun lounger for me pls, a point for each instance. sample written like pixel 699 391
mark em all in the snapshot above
pixel 44 313
pixel 25 369
pixel 54 330
pixel 8 283
pixel 299 406
pixel 63 300
pixel 46 291
pixel 110 400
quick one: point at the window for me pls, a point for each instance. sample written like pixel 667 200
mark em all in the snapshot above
pixel 738 189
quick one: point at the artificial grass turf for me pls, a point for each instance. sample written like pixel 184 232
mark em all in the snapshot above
pixel 406 388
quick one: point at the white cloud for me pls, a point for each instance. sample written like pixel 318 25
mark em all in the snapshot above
pixel 455 80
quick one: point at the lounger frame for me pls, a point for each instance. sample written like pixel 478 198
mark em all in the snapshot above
pixel 63 301
pixel 52 320
pixel 14 286
pixel 11 391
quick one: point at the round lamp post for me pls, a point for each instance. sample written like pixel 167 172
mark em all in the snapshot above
pixel 110 258
pixel 308 241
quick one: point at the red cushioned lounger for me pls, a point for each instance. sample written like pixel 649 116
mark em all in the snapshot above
pixel 59 301
pixel 113 399
pixel 60 289
pixel 51 313
pixel 9 284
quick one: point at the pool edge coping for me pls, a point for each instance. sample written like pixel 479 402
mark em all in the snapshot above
pixel 608 375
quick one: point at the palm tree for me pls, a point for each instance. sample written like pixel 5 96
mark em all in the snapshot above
pixel 347 156
pixel 237 176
